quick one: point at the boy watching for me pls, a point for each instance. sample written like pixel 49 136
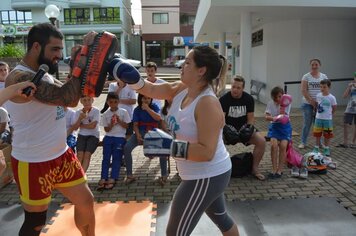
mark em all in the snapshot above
pixel 4 71
pixel 326 106
pixel 115 122
pixel 151 70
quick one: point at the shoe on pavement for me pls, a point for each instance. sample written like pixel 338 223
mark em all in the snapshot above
pixel 294 171
pixel 327 151
pixel 316 149
pixel 301 146
pixel 303 173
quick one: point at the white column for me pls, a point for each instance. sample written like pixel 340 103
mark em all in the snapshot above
pixel 222 44
pixel 143 53
pixel 245 47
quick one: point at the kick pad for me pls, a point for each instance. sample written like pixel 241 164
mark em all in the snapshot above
pixel 119 218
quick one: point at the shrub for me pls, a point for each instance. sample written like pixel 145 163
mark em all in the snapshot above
pixel 10 50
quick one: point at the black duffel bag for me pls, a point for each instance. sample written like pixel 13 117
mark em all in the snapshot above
pixel 241 164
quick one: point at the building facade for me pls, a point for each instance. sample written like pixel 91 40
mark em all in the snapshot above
pixel 273 40
pixel 167 30
pixel 77 17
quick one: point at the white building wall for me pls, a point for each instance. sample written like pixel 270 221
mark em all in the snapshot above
pixel 258 57
pixel 283 42
pixel 173 21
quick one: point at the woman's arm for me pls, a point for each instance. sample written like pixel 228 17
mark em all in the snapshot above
pixel 16 90
pixel 163 91
pixel 304 90
pixel 208 129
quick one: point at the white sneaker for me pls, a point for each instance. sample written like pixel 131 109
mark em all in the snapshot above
pixel 303 173
pixel 294 171
pixel 301 146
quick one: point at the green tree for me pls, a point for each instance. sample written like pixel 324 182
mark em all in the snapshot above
pixel 10 50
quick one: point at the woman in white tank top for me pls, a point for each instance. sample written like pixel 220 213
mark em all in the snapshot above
pixel 196 117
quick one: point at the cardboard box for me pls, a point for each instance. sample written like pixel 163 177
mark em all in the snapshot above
pixel 7 177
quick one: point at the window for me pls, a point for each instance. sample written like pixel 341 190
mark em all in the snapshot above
pixel 160 18
pixel 108 15
pixel 76 16
pixel 257 38
pixel 16 17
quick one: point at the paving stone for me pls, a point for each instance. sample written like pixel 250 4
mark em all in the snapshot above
pixel 336 183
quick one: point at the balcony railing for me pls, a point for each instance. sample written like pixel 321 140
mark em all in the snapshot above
pixel 76 3
pixel 88 22
pixel 27 4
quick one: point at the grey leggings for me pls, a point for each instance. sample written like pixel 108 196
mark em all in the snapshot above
pixel 194 197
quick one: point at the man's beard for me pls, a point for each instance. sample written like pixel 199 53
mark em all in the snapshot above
pixel 42 60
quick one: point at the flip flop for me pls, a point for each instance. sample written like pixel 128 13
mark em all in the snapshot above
pixel 259 176
pixel 341 145
pixel 109 185
pixel 129 179
pixel 101 185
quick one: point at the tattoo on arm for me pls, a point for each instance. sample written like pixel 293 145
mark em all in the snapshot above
pixel 66 95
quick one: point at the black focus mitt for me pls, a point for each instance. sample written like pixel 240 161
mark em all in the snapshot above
pixel 230 135
pixel 246 132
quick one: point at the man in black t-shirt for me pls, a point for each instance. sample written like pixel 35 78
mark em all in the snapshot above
pixel 239 108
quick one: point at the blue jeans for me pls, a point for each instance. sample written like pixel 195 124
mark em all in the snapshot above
pixel 129 146
pixel 112 147
pixel 308 118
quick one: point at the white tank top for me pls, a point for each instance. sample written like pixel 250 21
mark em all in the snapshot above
pixel 183 125
pixel 39 129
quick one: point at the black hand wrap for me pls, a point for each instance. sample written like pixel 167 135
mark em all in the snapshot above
pixel 230 135
pixel 246 132
pixel 179 149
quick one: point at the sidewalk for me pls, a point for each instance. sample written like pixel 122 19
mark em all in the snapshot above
pixel 339 183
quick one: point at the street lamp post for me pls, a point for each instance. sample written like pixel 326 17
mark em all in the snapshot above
pixel 52 13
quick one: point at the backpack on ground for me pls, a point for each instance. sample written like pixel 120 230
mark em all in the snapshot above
pixel 241 164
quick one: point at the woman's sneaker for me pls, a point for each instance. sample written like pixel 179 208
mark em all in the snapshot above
pixel 303 173
pixel 295 171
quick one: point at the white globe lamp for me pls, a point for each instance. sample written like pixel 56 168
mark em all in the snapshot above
pixel 52 13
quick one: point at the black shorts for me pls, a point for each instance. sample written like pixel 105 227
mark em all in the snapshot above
pixel 348 117
pixel 87 143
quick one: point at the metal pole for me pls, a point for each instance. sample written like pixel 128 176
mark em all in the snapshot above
pixel 53 22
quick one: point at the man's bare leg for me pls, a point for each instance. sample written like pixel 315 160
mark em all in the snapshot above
pixel 258 151
pixel 83 201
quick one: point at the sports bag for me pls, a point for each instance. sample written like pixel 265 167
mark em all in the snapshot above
pixel 294 158
pixel 241 164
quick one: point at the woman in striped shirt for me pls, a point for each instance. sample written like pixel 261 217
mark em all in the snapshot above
pixel 310 87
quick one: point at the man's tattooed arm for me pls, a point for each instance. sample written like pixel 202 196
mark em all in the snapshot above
pixel 67 94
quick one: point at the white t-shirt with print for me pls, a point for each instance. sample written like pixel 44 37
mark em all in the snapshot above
pixel 93 115
pixel 158 102
pixel 125 93
pixel 351 105
pixel 70 119
pixel 274 109
pixel 325 104
pixel 117 130
pixel 313 85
